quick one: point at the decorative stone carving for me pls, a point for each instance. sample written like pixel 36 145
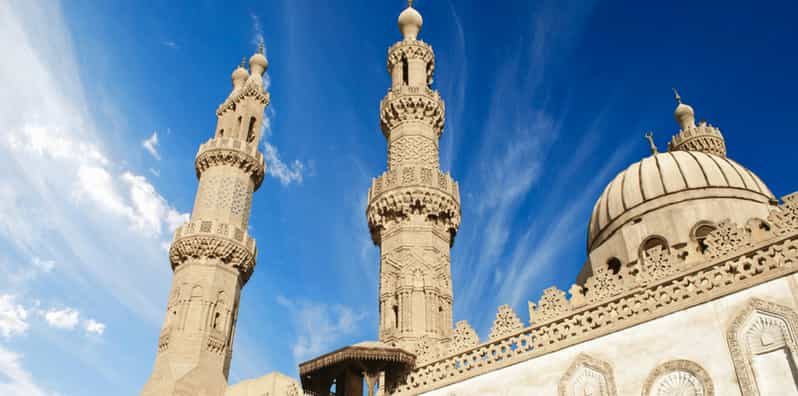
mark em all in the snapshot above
pixel 602 285
pixel 760 327
pixel 220 154
pixel 552 304
pixel 507 322
pixel 726 238
pixel 785 218
pixel 415 150
pixel 658 264
pixel 464 337
pixel 703 137
pixel 415 49
pixel 679 378
pixel 703 282
pixel 397 205
pixel 252 89
pixel 588 376
pixel 399 107
pixel 211 246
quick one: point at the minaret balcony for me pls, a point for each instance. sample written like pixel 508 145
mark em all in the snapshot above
pixel 231 152
pixel 214 240
pixel 397 194
pixel 405 103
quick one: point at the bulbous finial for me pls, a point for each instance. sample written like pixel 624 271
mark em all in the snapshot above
pixel 650 137
pixel 684 114
pixel 240 74
pixel 258 63
pixel 410 22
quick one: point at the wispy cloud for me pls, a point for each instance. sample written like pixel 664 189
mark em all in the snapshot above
pixel 169 43
pixel 319 326
pixel 14 378
pixel 151 145
pixel 65 318
pixel 94 327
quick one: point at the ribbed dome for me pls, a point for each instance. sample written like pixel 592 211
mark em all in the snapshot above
pixel 653 182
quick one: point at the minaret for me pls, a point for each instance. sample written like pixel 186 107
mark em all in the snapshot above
pixel 702 137
pixel 413 208
pixel 212 256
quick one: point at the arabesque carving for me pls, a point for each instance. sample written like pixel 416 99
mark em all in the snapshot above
pixel 725 239
pixel 785 218
pixel 464 337
pixel 588 376
pixel 759 327
pixel 658 264
pixel 252 89
pixel 602 285
pixel 415 150
pixel 507 322
pixel 228 244
pixel 396 206
pixel 551 305
pixel 679 378
pixel 703 137
pixel 401 105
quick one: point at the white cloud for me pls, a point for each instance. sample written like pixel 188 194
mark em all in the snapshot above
pixel 13 317
pixel 94 327
pixel 65 318
pixel 318 326
pixel 14 379
pixel 43 265
pixel 151 145
pixel 169 43
pixel 286 173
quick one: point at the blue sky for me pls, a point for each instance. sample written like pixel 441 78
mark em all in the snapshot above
pixel 105 103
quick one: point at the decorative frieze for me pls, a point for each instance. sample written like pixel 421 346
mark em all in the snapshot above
pixel 703 137
pixel 252 89
pixel 464 337
pixel 406 103
pixel 725 239
pixel 411 49
pixel 679 378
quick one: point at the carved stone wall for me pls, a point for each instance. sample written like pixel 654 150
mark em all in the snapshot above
pixel 413 150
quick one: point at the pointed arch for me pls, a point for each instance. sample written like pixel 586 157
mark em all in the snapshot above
pixel 588 374
pixel 762 343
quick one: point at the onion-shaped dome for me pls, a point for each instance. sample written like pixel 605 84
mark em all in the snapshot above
pixel 410 22
pixel 666 179
pixel 240 74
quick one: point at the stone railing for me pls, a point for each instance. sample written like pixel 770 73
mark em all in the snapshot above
pixel 231 152
pixel 735 262
pixel 414 177
pixel 410 49
pixel 209 239
pixel 251 89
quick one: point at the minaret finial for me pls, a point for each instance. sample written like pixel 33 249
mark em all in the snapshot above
pixel 410 3
pixel 261 46
pixel 678 98
pixel 650 136
pixel 244 62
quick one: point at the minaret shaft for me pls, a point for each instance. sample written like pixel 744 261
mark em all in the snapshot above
pixel 413 208
pixel 213 256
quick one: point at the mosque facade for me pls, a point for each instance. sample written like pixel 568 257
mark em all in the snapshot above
pixel 689 289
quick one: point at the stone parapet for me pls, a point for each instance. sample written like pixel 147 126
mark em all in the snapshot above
pixel 207 239
pixel 405 103
pixel 231 152
pixel 397 194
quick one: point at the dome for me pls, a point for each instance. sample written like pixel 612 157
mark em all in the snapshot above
pixel 665 179
pixel 685 116
pixel 410 22
pixel 260 61
pixel 240 74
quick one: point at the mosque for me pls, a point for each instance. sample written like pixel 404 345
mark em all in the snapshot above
pixel 689 288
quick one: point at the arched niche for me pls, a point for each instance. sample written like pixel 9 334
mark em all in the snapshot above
pixel 762 343
pixel 588 376
pixel 679 378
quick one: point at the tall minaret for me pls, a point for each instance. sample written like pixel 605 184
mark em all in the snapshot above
pixel 212 256
pixel 413 208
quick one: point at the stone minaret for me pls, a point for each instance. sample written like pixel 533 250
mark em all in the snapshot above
pixel 212 256
pixel 413 208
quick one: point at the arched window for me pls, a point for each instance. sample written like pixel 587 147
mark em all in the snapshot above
pixel 614 265
pixel 396 316
pixel 654 242
pixel 700 232
pixel 221 133
pixel 588 376
pixel 405 71
pixel 251 130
